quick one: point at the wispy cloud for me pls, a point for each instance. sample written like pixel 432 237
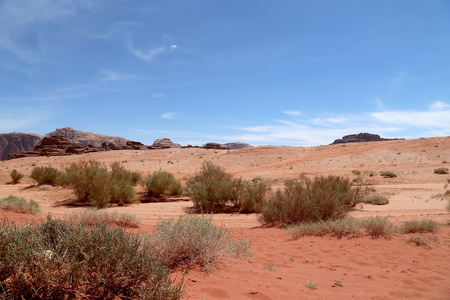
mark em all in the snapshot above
pixel 168 115
pixel 292 112
pixel 117 76
pixel 17 118
pixel 146 55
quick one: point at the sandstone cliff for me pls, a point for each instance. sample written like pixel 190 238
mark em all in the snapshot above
pixel 87 138
pixel 17 142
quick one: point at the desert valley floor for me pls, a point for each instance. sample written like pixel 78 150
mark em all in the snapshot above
pixel 367 268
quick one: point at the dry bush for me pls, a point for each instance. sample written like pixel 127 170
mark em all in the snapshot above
pixel 375 199
pixel 377 226
pixel 422 226
pixel 92 216
pixel 16 176
pixel 63 260
pixel 388 174
pixel 20 205
pixel 46 175
pixel 336 228
pixel 195 241
pixel 162 183
pixel 441 170
pixel 306 200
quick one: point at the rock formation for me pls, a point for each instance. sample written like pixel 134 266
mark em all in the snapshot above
pixel 17 142
pixel 87 138
pixel 361 137
pixel 215 146
pixel 165 143
pixel 237 145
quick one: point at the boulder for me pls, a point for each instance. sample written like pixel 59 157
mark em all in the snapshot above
pixel 87 138
pixel 165 143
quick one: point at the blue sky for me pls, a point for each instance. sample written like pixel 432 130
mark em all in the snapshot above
pixel 290 72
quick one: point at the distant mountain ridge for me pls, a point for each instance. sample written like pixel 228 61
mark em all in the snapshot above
pixel 361 137
pixel 17 142
pixel 83 138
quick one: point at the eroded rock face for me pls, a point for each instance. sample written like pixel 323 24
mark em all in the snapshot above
pixel 361 137
pixel 237 145
pixel 17 142
pixel 215 146
pixel 165 143
pixel 87 138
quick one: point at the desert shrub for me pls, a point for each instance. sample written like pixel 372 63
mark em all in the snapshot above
pixel 90 181
pixel 212 187
pixel 20 205
pixel 441 170
pixel 423 226
pixel 253 196
pixel 63 260
pixel 46 175
pixel 375 199
pixel 122 174
pixel 356 172
pixel 195 241
pixel 337 228
pixel 422 240
pixel 388 174
pixel 162 183
pixel 377 226
pixel 45 187
pixel 91 216
pixel 306 200
pixel 16 176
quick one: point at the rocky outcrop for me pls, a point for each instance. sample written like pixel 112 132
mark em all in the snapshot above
pixel 361 137
pixel 165 143
pixel 237 145
pixel 215 146
pixel 17 142
pixel 87 138
pixel 60 146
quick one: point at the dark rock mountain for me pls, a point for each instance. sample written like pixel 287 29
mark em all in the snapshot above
pixel 87 138
pixel 361 137
pixel 17 142
pixel 237 145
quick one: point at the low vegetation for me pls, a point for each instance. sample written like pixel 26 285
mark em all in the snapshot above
pixel 46 175
pixel 66 260
pixel 388 174
pixel 20 205
pixel 95 216
pixel 16 176
pixel 422 226
pixel 375 199
pixel 441 170
pixel 195 241
pixel 311 200
pixel 161 183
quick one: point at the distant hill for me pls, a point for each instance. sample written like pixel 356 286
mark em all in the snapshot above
pixel 17 142
pixel 361 137
pixel 87 138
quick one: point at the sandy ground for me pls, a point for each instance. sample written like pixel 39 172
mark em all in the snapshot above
pixel 281 267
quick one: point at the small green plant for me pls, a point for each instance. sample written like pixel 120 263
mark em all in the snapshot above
pixel 312 285
pixel 375 199
pixel 20 205
pixel 338 228
pixel 388 174
pixel 377 226
pixel 441 170
pixel 270 266
pixel 423 226
pixel 192 240
pixel 422 240
pixel 162 183
pixel 16 176
pixel 338 283
pixel 46 175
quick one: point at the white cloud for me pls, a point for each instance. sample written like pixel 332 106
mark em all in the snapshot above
pixel 439 105
pixel 168 115
pixel 15 119
pixel 116 76
pixel 146 55
pixel 173 47
pixel 292 112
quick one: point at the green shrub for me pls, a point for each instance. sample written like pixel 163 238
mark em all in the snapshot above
pixel 253 196
pixel 63 260
pixel 306 200
pixel 441 170
pixel 337 228
pixel 388 174
pixel 19 205
pixel 423 226
pixel 16 176
pixel 377 226
pixel 92 216
pixel 192 240
pixel 46 175
pixel 120 173
pixel 162 183
pixel 375 199
pixel 212 188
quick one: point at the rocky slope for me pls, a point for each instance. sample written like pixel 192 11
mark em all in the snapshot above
pixel 17 142
pixel 87 138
